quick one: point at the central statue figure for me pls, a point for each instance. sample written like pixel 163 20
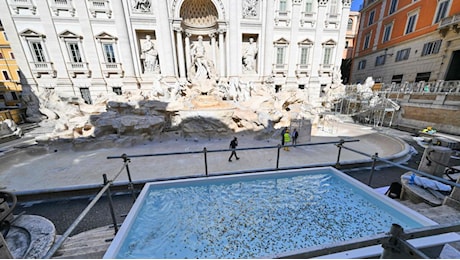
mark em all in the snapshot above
pixel 199 61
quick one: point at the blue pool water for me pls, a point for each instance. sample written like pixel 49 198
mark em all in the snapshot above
pixel 252 216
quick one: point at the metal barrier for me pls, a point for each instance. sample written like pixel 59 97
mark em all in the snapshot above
pixel 77 221
pixel 394 243
pixel 312 252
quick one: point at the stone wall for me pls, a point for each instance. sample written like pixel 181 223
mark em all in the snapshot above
pixel 419 110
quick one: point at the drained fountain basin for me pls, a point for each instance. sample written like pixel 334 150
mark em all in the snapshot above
pixel 256 215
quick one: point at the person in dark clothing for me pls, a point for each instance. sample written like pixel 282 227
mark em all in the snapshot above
pixel 233 145
pixel 294 136
pixel 282 135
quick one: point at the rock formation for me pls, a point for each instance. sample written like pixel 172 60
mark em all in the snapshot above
pixel 187 110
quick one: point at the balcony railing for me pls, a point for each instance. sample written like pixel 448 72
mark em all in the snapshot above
pixel 40 68
pixel 17 5
pixel 302 69
pixel 308 17
pixel 280 69
pixel 448 21
pixel 99 6
pixel 326 68
pixel 78 68
pixel 62 5
pixel 282 16
pixel 112 68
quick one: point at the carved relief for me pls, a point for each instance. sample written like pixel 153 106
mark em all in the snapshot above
pixel 250 8
pixel 322 2
pixel 141 6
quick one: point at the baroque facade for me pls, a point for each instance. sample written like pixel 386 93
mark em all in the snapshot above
pixel 91 47
pixel 403 41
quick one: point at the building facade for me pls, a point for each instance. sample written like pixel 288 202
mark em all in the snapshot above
pixel 87 48
pixel 350 43
pixel 403 41
pixel 10 86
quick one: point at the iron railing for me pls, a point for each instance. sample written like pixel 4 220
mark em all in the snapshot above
pixel 312 252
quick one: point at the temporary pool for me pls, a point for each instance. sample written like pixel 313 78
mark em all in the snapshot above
pixel 255 215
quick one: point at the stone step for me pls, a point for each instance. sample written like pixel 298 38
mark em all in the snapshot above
pixel 94 252
pixel 89 244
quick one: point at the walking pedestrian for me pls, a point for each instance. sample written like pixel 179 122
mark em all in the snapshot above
pixel 233 145
pixel 287 139
pixel 294 136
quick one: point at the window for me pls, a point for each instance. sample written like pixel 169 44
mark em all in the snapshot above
pixel 387 32
pixel 308 6
pixel 442 10
pixel 301 86
pixel 277 88
pixel 350 24
pixel 393 6
pixel 362 65
pixel 12 55
pixel 411 20
pixel 397 78
pixel 402 54
pixel 37 51
pixel 333 7
pixel 74 52
pixel 117 90
pixel 380 60
pixel 6 76
pixel 371 17
pixel 86 95
pixel 347 43
pixel 283 5
pixel 280 55
pixel 424 76
pixel 109 53
pixel 1 55
pixel 327 55
pixel 304 51
pixel 5 35
pixel 431 47
pixel 367 40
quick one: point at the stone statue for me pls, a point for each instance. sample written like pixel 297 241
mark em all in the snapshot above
pixel 199 61
pixel 250 55
pixel 142 5
pixel 149 54
pixel 250 8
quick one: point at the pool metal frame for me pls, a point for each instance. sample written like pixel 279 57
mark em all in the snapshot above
pixel 353 248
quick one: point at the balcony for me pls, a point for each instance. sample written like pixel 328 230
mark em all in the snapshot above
pixel 62 5
pixel 40 68
pixel 17 5
pixel 280 69
pixel 309 18
pixel 282 16
pixel 75 68
pixel 112 68
pixel 326 68
pixel 302 70
pixel 99 6
pixel 449 22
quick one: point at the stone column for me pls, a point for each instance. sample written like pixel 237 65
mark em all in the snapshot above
pixel 314 86
pixel 180 52
pixel 188 61
pixel 222 72
pixel 213 47
pixel 267 39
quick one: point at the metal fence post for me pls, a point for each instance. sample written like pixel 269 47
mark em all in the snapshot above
pixel 109 196
pixel 205 152
pixel 374 160
pixel 126 160
pixel 339 145
pixel 278 157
